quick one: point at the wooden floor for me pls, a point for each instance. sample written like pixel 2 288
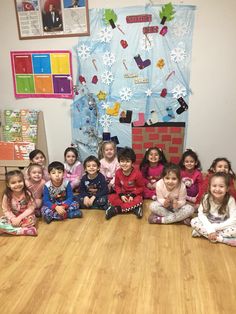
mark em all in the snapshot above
pixel 124 265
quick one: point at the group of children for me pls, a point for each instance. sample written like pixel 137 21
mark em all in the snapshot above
pixel 115 184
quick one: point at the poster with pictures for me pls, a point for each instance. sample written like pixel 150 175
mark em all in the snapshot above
pixel 52 18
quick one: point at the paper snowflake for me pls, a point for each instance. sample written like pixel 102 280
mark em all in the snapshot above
pixel 107 77
pixel 180 28
pixel 83 52
pixel 179 91
pixel 105 35
pixel 126 94
pixel 177 54
pixel 146 42
pixel 148 92
pixel 105 105
pixel 108 58
pixel 105 121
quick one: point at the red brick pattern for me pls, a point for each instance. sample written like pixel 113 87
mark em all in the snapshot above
pixel 169 138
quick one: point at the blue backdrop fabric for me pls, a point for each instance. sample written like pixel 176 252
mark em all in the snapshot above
pixel 121 68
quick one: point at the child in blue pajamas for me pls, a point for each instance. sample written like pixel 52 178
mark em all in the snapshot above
pixel 58 202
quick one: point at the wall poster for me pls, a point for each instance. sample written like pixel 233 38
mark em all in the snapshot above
pixel 42 74
pixel 52 18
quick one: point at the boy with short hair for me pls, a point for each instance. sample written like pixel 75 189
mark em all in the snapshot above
pixel 129 185
pixel 93 185
pixel 58 203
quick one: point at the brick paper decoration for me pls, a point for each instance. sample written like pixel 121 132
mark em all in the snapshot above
pixel 168 136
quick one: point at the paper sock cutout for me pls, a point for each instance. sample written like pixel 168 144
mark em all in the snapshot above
pixel 113 111
pixel 153 119
pixel 170 115
pixel 140 121
pixel 140 63
pixel 125 116
pixel 183 106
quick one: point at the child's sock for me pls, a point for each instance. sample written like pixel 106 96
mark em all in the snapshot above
pixel 75 214
pixel 31 231
pixel 38 213
pixel 48 219
pixel 187 221
pixel 228 241
pixel 195 234
pixel 138 211
pixel 111 211
pixel 155 219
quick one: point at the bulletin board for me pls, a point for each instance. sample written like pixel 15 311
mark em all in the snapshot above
pixel 45 74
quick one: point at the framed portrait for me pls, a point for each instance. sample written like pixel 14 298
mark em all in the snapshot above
pixel 52 18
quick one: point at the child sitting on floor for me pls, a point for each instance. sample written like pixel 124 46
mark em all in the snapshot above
pixel 35 183
pixel 220 164
pixel 170 206
pixel 129 184
pixel 151 168
pixel 58 203
pixel 216 219
pixel 109 163
pixel 93 186
pixel 18 207
pixel 191 174
pixel 73 167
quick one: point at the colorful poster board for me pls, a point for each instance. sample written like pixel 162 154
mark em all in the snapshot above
pixel 45 74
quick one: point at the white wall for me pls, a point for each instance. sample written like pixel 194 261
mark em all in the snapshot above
pixel 212 110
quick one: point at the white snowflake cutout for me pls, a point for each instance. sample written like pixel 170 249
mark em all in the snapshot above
pixel 108 58
pixel 105 105
pixel 107 77
pixel 177 54
pixel 179 91
pixel 148 92
pixel 179 28
pixel 146 42
pixel 105 121
pixel 83 52
pixel 105 35
pixel 125 94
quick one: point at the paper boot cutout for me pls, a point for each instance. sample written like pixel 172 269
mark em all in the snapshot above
pixel 115 140
pixel 170 115
pixel 183 106
pixel 140 121
pixel 125 116
pixel 106 136
pixel 140 63
pixel 113 111
pixel 153 119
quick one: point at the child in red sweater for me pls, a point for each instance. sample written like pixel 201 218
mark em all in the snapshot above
pixel 129 184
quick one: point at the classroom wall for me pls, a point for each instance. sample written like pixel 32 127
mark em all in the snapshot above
pixel 212 110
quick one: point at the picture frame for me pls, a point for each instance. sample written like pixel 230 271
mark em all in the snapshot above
pixel 37 19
